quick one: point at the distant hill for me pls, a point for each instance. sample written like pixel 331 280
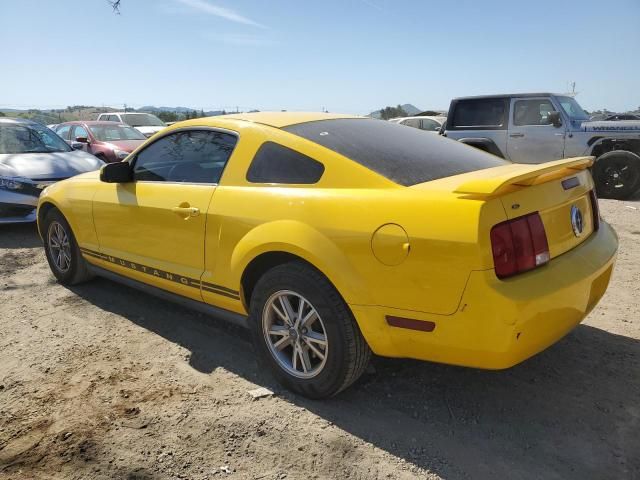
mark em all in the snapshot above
pixel 407 107
pixel 153 109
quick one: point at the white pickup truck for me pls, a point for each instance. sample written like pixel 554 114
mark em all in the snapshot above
pixel 145 123
pixel 539 127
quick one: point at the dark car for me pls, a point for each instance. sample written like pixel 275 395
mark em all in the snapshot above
pixel 622 116
pixel 109 141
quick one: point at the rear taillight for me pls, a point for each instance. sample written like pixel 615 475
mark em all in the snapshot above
pixel 595 210
pixel 519 245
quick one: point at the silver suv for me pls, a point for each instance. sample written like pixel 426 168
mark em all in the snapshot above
pixel 540 127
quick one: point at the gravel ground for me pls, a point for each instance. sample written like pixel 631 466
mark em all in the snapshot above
pixel 99 381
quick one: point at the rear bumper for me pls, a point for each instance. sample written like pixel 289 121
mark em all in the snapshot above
pixel 501 323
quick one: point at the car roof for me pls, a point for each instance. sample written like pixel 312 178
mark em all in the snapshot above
pixel 431 117
pixel 91 122
pixel 17 120
pixel 509 95
pixel 284 119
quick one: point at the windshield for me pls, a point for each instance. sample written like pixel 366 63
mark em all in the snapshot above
pixel 142 120
pixel 112 133
pixel 572 108
pixel 32 138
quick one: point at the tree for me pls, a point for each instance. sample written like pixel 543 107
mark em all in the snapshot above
pixel 392 112
pixel 166 116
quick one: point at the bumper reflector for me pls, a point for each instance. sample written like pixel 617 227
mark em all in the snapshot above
pixel 411 324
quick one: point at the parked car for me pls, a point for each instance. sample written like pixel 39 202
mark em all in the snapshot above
pixel 109 141
pixel 332 236
pixel 622 116
pixel 430 124
pixel 540 127
pixel 31 158
pixel 145 123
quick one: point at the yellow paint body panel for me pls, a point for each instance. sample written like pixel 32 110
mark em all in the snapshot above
pixel 430 260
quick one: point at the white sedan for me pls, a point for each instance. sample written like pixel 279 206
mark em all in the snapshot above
pixel 429 124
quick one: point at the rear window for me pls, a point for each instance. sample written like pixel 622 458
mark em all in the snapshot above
pixel 406 156
pixel 480 113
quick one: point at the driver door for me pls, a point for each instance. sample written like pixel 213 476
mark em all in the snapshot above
pixel 153 228
pixel 532 137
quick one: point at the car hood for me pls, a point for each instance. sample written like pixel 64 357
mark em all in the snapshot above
pixel 149 129
pixel 622 126
pixel 48 166
pixel 124 145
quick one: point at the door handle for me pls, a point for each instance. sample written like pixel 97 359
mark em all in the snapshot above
pixel 516 135
pixel 186 211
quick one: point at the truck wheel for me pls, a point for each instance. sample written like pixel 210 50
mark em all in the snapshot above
pixel 62 252
pixel 617 174
pixel 304 331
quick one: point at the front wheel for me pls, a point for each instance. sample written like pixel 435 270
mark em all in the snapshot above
pixel 305 332
pixel 617 174
pixel 61 250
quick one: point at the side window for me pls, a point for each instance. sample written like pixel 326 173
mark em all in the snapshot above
pixel 412 122
pixel 64 131
pixel 532 112
pixel 429 125
pixel 274 163
pixel 79 131
pixel 193 156
pixel 479 113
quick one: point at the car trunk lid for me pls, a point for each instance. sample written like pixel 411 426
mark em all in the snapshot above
pixel 560 192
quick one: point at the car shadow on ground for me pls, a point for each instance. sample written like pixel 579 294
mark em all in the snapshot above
pixel 570 412
pixel 19 235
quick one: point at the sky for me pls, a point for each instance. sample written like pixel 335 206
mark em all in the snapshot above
pixel 350 56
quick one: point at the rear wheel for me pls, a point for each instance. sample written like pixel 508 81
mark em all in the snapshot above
pixel 304 331
pixel 617 174
pixel 62 252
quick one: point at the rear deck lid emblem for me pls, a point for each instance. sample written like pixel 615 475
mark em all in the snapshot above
pixel 577 222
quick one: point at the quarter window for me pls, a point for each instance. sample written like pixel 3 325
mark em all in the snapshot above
pixel 532 112
pixel 479 113
pixel 274 163
pixel 193 156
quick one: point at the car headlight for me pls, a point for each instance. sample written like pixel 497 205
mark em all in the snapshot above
pixel 120 154
pixel 13 183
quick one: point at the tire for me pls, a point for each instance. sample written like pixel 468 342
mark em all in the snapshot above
pixel 66 263
pixel 617 174
pixel 346 353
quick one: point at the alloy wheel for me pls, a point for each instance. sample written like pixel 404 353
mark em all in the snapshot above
pixel 295 334
pixel 59 246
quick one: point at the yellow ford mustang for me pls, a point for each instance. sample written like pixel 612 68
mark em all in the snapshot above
pixel 332 237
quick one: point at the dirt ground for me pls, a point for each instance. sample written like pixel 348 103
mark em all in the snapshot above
pixel 99 382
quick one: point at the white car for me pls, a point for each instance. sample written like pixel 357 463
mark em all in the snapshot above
pixel 429 124
pixel 145 123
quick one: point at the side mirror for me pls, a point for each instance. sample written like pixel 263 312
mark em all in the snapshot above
pixel 554 119
pixel 82 139
pixel 77 145
pixel 118 172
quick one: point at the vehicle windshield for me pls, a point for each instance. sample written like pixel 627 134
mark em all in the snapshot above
pixel 406 156
pixel 572 108
pixel 112 133
pixel 142 120
pixel 31 138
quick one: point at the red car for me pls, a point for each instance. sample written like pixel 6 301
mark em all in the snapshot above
pixel 109 141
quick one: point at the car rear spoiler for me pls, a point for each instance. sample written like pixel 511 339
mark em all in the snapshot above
pixel 499 180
